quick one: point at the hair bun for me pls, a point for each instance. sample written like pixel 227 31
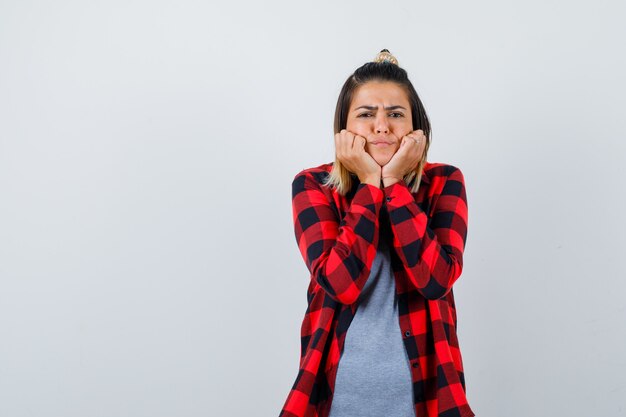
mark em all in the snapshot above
pixel 385 56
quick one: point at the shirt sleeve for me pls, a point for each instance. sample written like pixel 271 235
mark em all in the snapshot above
pixel 338 252
pixel 432 253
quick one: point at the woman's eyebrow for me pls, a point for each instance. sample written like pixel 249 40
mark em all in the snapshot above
pixel 376 107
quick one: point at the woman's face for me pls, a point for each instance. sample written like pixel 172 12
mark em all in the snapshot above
pixel 381 113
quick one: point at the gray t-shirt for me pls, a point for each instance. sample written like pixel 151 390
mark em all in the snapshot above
pixel 373 375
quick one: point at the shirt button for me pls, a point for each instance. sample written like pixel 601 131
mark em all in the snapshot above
pixel 407 333
pixel 388 198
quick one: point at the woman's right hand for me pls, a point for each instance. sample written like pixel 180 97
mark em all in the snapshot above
pixel 350 151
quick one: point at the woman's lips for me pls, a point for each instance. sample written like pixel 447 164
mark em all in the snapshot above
pixel 381 143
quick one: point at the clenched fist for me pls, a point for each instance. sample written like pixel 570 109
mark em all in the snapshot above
pixel 407 156
pixel 350 151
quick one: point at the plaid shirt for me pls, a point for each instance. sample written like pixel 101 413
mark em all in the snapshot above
pixel 337 237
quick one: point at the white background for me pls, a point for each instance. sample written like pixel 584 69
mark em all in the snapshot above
pixel 148 265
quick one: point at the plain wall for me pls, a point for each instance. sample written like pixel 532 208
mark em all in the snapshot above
pixel 148 265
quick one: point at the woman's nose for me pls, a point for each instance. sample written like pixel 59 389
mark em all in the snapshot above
pixel 381 124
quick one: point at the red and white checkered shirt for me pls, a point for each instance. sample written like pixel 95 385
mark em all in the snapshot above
pixel 338 239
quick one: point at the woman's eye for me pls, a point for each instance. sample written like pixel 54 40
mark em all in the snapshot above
pixel 393 115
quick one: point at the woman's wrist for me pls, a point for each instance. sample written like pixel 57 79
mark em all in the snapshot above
pixel 389 179
pixel 373 180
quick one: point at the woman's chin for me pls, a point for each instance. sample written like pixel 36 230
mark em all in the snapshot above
pixel 382 159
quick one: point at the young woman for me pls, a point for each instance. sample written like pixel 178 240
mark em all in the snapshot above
pixel 382 232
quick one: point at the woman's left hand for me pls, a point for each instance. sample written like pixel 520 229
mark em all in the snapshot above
pixel 407 156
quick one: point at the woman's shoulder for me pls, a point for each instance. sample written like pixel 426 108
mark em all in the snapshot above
pixel 439 169
pixel 439 166
pixel 319 168
pixel 319 172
